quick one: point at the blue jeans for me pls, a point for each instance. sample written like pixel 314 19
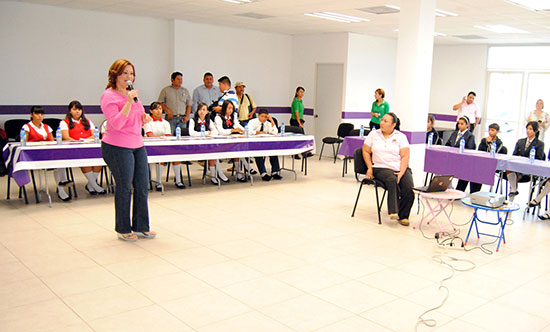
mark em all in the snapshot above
pixel 130 169
pixel 175 121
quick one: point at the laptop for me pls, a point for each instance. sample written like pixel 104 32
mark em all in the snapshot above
pixel 439 183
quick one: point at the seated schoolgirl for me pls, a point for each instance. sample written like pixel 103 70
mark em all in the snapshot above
pixel 74 127
pixel 523 148
pixel 157 128
pixel 200 118
pixel 226 125
pixel 264 124
pixel 463 125
pixel 37 131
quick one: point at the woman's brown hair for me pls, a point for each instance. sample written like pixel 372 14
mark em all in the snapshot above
pixel 116 69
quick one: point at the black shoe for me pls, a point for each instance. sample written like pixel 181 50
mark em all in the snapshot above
pixel 92 192
pixel 225 181
pixel 180 185
pixel 253 171
pixel 276 176
pixel 545 216
pixel 533 203
pixel 66 199
pixel 266 177
pixel 243 179
pixel 102 192
pixel 64 183
pixel 158 187
pixel 513 193
pixel 214 181
pixel 308 154
pixel 296 156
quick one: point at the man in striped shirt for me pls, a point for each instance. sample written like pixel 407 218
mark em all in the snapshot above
pixel 227 94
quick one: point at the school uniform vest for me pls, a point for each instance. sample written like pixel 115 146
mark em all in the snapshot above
pixel 78 131
pixel 34 136
pixel 225 123
pixel 206 124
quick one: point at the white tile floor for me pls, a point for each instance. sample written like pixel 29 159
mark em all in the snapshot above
pixel 278 256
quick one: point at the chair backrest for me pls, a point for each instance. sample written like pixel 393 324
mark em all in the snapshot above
pixel 13 128
pixel 503 150
pixel 276 122
pixel 184 131
pixel 293 129
pixel 359 165
pixel 53 123
pixel 344 129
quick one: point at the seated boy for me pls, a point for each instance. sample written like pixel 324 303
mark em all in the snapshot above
pixel 264 124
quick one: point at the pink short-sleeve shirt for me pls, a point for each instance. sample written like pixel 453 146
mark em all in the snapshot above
pixel 121 131
pixel 385 151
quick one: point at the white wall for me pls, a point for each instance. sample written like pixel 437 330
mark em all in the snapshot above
pixel 370 65
pixel 307 52
pixel 51 55
pixel 456 71
pixel 261 60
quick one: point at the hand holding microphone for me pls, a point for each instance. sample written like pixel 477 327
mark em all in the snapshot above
pixel 133 93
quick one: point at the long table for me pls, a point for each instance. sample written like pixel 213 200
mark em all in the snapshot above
pixel 43 155
pixel 479 166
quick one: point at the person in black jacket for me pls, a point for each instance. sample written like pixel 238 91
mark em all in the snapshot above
pixel 523 149
pixel 431 130
pixel 485 145
pixel 454 141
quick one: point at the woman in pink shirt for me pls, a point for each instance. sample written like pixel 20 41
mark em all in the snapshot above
pixel 386 153
pixel 123 151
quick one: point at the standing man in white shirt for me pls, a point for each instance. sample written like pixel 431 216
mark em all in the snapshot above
pixel 207 93
pixel 469 109
pixel 247 106
pixel 176 102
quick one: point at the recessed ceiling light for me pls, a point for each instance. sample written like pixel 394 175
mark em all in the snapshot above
pixel 499 28
pixel 441 12
pixel 437 34
pixel 533 4
pixel 338 17
pixel 240 1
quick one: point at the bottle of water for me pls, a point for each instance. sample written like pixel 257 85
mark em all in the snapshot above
pixel 96 135
pixel 178 133
pixel 246 130
pixel 282 129
pixel 58 137
pixel 430 140
pixel 462 145
pixel 362 131
pixel 23 137
pixel 203 130
pixel 493 149
pixel 532 154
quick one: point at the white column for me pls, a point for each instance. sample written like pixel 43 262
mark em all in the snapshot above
pixel 413 75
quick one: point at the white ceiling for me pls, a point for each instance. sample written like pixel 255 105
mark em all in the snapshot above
pixel 288 16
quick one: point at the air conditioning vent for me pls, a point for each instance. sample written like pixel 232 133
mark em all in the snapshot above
pixel 380 10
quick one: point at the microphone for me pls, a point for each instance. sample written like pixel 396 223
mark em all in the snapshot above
pixel 131 87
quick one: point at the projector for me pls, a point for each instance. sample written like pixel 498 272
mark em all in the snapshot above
pixel 487 199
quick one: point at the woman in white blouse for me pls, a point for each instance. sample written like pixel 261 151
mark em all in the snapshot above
pixel 540 116
pixel 386 153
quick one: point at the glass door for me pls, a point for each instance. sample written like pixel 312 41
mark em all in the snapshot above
pixel 504 106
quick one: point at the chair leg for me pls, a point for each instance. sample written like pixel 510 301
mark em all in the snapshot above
pixel 8 191
pixel 321 154
pixel 70 175
pixel 34 187
pixel 333 153
pixel 168 171
pixel 357 199
pixel 189 175
pixel 378 205
pixel 24 194
pixel 336 153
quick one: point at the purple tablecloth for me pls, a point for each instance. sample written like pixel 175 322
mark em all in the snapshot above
pixel 350 144
pixel 475 166
pixel 19 160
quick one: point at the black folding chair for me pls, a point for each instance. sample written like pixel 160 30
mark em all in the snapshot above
pixel 361 168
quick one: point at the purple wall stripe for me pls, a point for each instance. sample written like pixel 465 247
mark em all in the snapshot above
pixel 366 115
pixel 444 117
pixel 95 109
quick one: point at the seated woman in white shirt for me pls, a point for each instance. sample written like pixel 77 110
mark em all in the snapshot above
pixel 74 127
pixel 264 124
pixel 157 128
pixel 201 118
pixel 227 125
pixel 386 153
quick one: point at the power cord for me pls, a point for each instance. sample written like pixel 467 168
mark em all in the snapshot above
pixel 448 262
